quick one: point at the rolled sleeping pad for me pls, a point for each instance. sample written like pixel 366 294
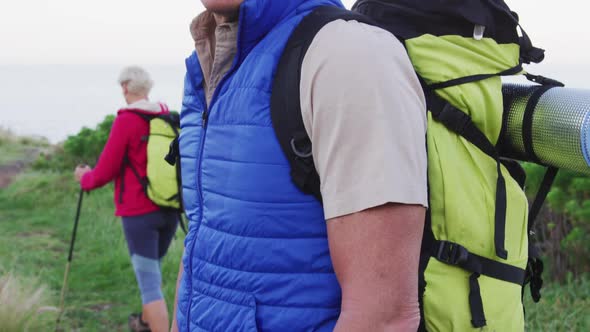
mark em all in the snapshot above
pixel 546 125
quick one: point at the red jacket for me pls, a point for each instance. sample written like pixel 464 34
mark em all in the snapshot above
pixel 126 139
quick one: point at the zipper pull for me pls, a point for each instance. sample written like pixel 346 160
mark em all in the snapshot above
pixel 204 117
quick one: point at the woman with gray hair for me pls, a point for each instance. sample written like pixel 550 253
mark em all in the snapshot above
pixel 148 228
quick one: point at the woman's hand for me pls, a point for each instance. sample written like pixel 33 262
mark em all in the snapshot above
pixel 80 171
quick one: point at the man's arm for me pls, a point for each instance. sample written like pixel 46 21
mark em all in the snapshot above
pixel 376 255
pixel 364 110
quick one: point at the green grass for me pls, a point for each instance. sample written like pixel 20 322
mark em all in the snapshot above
pixel 36 218
pixel 562 308
pixel 22 304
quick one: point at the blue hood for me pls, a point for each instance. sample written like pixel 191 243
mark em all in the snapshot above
pixel 259 17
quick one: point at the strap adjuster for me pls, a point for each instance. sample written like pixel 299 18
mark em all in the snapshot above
pixel 453 117
pixel 543 80
pixel 302 171
pixel 451 253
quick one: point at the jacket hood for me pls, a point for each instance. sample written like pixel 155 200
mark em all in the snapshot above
pixel 146 106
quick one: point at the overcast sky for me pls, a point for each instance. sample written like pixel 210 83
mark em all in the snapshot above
pixel 156 31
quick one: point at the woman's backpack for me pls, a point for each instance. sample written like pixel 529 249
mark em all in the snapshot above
pixel 162 183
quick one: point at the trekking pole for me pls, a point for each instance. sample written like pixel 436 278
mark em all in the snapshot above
pixel 67 271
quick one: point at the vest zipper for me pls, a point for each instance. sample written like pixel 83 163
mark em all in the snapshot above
pixel 189 268
pixel 205 119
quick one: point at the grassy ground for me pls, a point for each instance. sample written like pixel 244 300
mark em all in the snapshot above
pixel 36 218
pixel 22 304
pixel 562 308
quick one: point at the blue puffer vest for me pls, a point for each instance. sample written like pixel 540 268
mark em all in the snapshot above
pixel 256 256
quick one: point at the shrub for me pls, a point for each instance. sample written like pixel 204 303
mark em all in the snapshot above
pixel 563 227
pixel 82 148
pixel 21 306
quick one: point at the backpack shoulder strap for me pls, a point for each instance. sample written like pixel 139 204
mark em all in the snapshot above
pixel 172 119
pixel 144 116
pixel 286 100
pixel 127 163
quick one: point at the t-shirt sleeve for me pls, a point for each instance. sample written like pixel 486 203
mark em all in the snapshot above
pixel 364 110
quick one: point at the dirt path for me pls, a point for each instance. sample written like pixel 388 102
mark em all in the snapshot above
pixel 9 172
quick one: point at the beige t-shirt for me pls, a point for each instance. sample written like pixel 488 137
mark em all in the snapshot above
pixel 363 109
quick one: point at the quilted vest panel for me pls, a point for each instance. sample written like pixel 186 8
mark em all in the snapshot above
pixel 256 255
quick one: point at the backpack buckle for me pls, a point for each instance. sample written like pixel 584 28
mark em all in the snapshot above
pixel 543 80
pixel 534 273
pixel 451 253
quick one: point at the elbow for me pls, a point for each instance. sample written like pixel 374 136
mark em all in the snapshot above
pixel 401 318
pixel 382 317
pixel 408 321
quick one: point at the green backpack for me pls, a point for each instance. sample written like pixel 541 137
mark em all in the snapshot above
pixel 162 183
pixel 476 258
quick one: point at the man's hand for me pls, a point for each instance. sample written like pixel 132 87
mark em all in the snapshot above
pixel 376 256
pixel 80 171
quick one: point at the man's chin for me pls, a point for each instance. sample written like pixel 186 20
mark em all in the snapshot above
pixel 226 16
pixel 223 7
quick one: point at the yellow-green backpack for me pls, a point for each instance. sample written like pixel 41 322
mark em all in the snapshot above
pixel 162 183
pixel 475 258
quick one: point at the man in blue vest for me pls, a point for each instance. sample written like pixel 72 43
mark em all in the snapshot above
pixel 260 255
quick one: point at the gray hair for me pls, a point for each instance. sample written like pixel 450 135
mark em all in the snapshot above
pixel 137 79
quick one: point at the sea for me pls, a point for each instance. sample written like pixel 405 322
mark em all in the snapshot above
pixel 55 101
